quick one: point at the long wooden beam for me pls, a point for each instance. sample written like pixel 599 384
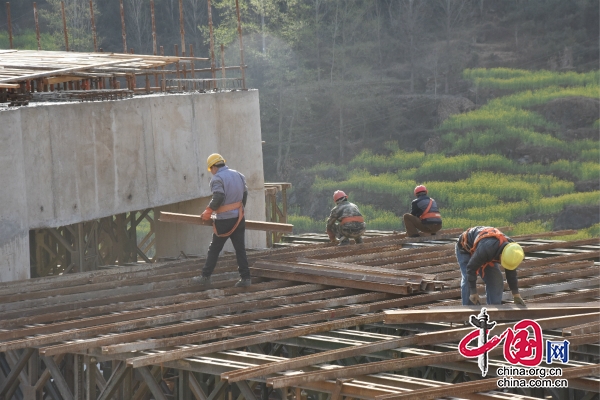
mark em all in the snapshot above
pixel 497 313
pixel 419 339
pixel 251 225
pixel 256 270
pixel 477 386
pixel 132 341
pixel 142 319
pixel 393 365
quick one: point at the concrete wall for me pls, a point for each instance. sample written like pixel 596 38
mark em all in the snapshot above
pixel 66 163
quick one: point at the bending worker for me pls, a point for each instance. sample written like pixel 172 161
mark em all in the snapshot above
pixel 424 216
pixel 229 195
pixel 352 223
pixel 479 251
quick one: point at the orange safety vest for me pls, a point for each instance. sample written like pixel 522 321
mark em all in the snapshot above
pixel 484 234
pixel 426 214
pixel 230 207
pixel 357 218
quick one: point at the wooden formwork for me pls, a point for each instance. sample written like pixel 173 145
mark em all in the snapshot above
pixel 149 331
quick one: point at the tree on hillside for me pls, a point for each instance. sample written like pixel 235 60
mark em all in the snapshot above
pixel 77 15
pixel 137 15
pixel 454 14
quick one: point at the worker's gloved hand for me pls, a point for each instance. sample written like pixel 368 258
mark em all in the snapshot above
pixel 475 299
pixel 207 214
pixel 517 299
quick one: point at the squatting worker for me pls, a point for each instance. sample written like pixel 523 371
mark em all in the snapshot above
pixel 479 250
pixel 352 223
pixel 229 195
pixel 424 215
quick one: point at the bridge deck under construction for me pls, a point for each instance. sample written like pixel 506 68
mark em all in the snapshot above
pixel 318 322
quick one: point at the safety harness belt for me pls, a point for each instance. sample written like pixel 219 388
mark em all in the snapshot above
pixel 484 234
pixel 357 218
pixel 230 207
pixel 426 214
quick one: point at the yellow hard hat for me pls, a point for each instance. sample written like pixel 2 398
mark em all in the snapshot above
pixel 512 255
pixel 214 159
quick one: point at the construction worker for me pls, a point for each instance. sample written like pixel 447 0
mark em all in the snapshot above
pixel 424 215
pixel 480 251
pixel 352 223
pixel 229 194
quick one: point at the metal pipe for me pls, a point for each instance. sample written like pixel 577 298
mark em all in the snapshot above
pixel 153 27
pixel 237 9
pixel 212 41
pixel 123 31
pixel 93 26
pixel 10 38
pixel 181 28
pixel 64 19
pixel 37 26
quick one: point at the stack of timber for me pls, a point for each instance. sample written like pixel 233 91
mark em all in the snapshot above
pixel 290 336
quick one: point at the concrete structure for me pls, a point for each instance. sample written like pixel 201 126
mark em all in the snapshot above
pixel 62 164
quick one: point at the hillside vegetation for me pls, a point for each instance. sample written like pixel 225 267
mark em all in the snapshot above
pixel 478 177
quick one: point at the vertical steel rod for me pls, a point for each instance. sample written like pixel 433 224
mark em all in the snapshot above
pixel 93 26
pixel 182 28
pixel 237 9
pixel 64 18
pixel 212 44
pixel 177 68
pixel 153 27
pixel 164 83
pixel 192 66
pixel 10 40
pixel 223 74
pixel 123 32
pixel 37 26
pixel 154 44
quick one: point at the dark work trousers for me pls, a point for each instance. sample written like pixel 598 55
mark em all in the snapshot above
pixel 239 244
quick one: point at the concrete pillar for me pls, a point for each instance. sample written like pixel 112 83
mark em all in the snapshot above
pixel 14 233
pixel 172 239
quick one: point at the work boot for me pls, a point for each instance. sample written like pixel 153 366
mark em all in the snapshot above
pixel 358 240
pixel 344 242
pixel 202 280
pixel 243 282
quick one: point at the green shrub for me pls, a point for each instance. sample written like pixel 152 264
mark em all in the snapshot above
pixel 513 79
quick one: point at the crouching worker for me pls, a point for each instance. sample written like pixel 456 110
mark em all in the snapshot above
pixel 480 251
pixel 424 215
pixel 229 194
pixel 351 222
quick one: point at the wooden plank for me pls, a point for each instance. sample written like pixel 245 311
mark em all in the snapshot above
pixel 9 86
pixel 496 313
pixel 339 282
pixel 212 318
pixel 65 70
pixel 418 339
pixel 333 272
pixel 459 389
pixel 143 318
pixel 250 225
pixel 229 344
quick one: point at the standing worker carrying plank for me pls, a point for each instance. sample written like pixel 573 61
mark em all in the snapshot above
pixel 229 195
pixel 479 251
